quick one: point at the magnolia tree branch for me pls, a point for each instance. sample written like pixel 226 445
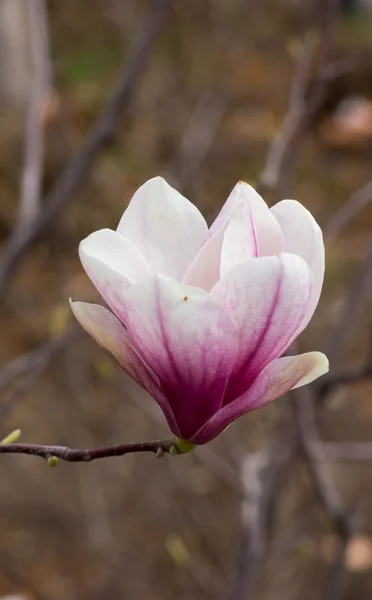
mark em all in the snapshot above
pixel 29 207
pixel 51 453
pixel 99 137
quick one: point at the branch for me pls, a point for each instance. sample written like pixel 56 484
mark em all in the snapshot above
pixel 348 211
pixel 32 176
pixel 99 137
pixel 344 451
pixel 341 518
pixel 355 298
pixel 262 482
pixel 158 447
pixel 350 375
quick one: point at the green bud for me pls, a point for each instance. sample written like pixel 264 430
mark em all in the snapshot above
pixel 182 446
pixel 12 437
pixel 52 461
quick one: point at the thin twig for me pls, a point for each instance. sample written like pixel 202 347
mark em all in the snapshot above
pixel 99 137
pixel 345 376
pixel 344 451
pixel 327 491
pixel 35 359
pixel 258 510
pixel 348 211
pixel 291 124
pixel 198 137
pixel 354 301
pixel 88 455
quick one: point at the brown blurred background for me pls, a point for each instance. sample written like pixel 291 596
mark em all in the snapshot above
pixel 209 101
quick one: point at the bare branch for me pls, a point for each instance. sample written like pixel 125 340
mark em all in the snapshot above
pixel 34 360
pixel 76 455
pixel 348 211
pixel 198 137
pixel 355 298
pixel 99 137
pixel 34 139
pixel 344 451
pixel 350 375
pixel 327 492
pixel 258 508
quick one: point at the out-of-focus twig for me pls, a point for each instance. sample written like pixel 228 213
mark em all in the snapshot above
pixel 33 168
pixel 291 124
pixel 306 96
pixel 344 451
pixel 341 518
pixel 37 358
pixel 354 300
pixel 262 479
pixel 198 137
pixel 99 137
pixel 342 377
pixel 278 166
pixel 348 211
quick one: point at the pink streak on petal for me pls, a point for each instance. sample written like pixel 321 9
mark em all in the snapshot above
pixel 267 299
pixel 278 377
pixel 109 333
pixel 269 237
pixel 189 341
pixel 240 239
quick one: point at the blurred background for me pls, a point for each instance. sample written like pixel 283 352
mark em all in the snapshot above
pixel 96 97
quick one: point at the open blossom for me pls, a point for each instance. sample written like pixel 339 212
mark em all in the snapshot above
pixel 200 317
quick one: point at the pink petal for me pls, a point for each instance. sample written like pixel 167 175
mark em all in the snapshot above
pixel 204 271
pixel 278 377
pixel 267 299
pixel 113 264
pixel 166 228
pixel 189 341
pixel 251 231
pixel 303 236
pixel 244 228
pixel 240 241
pixel 109 333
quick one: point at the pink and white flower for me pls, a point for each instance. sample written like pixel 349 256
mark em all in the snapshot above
pixel 200 317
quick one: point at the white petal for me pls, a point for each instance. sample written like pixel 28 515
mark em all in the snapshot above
pixel 267 299
pixel 303 236
pixel 188 341
pixel 113 264
pixel 166 228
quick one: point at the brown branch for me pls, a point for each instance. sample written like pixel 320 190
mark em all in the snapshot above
pixel 98 138
pixel 333 379
pixel 344 451
pixel 35 359
pixel 355 298
pixel 258 512
pixel 198 137
pixel 342 520
pixel 348 211
pixel 291 124
pixel 158 447
pixel 32 175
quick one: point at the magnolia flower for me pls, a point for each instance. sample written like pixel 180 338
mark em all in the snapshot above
pixel 200 317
